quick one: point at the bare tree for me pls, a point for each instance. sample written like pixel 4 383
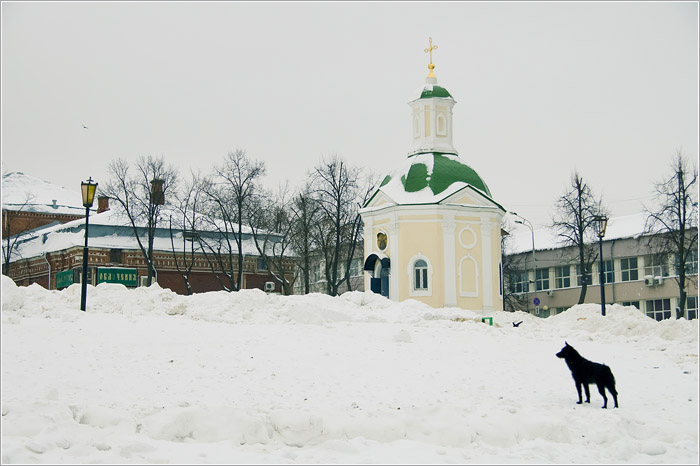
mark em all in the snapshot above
pixel 356 232
pixel 186 209
pixel 574 224
pixel 337 191
pixel 141 198
pixel 232 190
pixel 674 224
pixel 10 219
pixel 271 224
pixel 305 215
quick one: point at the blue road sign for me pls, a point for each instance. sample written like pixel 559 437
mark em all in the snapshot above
pixel 536 301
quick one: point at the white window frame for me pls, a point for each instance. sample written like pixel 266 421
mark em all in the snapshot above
pixel 559 279
pixel 412 291
pixel 628 270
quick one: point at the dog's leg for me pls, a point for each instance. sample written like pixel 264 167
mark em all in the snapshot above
pixel 578 389
pixel 588 393
pixel 614 394
pixel 601 389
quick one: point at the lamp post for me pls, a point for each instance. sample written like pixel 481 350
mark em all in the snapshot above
pixel 601 225
pixel 88 190
pixel 534 260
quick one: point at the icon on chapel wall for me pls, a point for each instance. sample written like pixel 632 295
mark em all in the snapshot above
pixel 381 241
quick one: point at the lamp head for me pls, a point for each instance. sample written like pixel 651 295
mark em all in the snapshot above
pixel 601 225
pixel 88 190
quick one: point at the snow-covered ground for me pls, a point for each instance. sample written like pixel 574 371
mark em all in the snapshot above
pixel 148 376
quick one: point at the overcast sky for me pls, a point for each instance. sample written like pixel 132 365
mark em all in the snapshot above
pixel 542 89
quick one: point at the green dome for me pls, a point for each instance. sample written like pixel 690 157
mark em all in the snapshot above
pixel 430 91
pixel 429 178
pixel 446 170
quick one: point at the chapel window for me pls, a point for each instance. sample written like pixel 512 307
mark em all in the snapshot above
pixel 420 275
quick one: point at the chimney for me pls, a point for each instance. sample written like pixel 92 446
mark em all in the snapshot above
pixel 55 204
pixel 102 204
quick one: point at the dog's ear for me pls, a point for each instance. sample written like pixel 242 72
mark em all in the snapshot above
pixel 565 343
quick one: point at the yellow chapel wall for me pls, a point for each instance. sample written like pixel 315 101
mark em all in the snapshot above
pixel 424 234
pixel 421 234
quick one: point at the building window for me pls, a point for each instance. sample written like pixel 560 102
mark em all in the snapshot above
pixel 691 264
pixel 519 282
pixel 420 275
pixel 691 307
pixel 317 272
pixel 656 265
pixel 356 267
pixel 115 256
pixel 659 309
pixel 631 303
pixel 500 279
pixel 562 277
pixel 441 125
pixel 262 263
pixel 628 269
pixel 608 271
pixel 542 279
pixel 588 277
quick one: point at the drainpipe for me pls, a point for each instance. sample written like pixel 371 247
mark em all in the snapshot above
pixel 612 258
pixel 43 255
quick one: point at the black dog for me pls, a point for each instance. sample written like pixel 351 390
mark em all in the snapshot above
pixel 586 372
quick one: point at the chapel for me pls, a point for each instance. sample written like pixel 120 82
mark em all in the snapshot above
pixel 432 230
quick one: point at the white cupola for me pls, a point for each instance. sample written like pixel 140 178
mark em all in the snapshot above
pixel 431 116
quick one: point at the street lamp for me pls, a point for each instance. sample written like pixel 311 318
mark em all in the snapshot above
pixel 534 260
pixel 601 224
pixel 88 190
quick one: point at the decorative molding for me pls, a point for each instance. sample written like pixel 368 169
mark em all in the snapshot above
pixel 467 293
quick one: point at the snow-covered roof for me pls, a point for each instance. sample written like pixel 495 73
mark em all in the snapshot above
pixel 430 177
pixel 628 226
pixel 31 194
pixel 109 230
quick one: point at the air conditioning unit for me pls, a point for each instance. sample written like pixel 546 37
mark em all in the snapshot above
pixel 649 280
pixel 550 292
pixel 269 286
pixel 659 280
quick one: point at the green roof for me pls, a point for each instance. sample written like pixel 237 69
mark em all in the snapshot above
pixel 445 172
pixel 434 91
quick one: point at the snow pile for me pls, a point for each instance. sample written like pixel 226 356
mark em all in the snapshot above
pixel 149 376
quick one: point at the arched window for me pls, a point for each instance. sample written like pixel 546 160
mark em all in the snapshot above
pixel 420 275
pixel 441 125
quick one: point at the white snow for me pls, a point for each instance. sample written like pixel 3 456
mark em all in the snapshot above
pixel 60 237
pixel 149 376
pixel 28 193
pixel 396 191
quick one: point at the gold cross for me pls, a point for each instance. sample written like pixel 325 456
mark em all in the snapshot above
pixel 430 50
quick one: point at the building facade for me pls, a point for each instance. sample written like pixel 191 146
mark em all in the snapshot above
pixel 635 274
pixel 52 257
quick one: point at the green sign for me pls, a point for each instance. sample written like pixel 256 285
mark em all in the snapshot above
pixel 127 277
pixel 64 279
